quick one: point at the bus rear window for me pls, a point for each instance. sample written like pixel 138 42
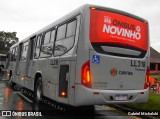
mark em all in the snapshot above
pixel 118 30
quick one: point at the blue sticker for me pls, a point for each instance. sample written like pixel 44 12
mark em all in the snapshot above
pixel 96 59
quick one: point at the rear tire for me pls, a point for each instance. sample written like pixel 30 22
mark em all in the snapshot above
pixel 38 90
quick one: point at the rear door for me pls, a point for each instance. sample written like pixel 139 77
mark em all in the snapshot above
pixel 119 46
pixel 14 53
pixel 29 64
pixel 22 62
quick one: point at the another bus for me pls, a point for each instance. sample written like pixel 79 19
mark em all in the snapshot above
pixel 94 55
pixel 3 60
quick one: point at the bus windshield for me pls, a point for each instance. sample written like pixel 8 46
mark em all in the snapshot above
pixel 113 28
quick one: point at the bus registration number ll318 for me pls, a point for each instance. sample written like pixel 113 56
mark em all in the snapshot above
pixel 121 97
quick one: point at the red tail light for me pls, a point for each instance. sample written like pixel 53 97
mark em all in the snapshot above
pixel 146 84
pixel 86 75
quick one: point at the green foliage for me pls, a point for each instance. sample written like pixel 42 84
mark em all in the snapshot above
pixel 7 39
pixel 153 104
pixel 156 76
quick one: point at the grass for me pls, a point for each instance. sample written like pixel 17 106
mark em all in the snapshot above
pixel 156 76
pixel 153 104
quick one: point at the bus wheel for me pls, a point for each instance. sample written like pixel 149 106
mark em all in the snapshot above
pixel 38 90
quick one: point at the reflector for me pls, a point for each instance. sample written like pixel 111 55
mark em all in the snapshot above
pixel 63 93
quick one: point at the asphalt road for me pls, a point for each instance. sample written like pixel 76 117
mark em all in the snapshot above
pixel 14 100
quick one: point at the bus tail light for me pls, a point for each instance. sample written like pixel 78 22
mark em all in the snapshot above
pixel 146 84
pixel 86 75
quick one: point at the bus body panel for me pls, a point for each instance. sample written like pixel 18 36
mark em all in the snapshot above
pixel 117 66
pixel 50 70
pixel 86 96
pixel 49 76
pixel 131 72
pixel 128 73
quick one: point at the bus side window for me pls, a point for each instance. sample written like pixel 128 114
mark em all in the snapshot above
pixel 24 51
pixel 21 50
pixel 46 49
pixel 32 48
pixel 47 46
pixel 12 54
pixel 37 47
pixel 62 46
pixel 53 36
pixel 16 53
pixel 61 33
pixel 71 28
pixel 47 37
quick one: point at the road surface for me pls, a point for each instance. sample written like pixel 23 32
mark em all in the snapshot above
pixel 14 100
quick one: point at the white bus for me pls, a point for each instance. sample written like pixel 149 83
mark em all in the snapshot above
pixel 94 55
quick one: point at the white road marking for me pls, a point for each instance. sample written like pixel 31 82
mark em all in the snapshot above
pixel 25 97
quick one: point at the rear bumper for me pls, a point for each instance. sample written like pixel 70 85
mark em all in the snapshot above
pixel 86 96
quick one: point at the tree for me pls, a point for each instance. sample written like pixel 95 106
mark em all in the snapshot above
pixel 7 39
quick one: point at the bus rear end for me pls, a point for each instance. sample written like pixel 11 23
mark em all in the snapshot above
pixel 118 60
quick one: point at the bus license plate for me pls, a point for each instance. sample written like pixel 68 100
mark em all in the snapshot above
pixel 121 97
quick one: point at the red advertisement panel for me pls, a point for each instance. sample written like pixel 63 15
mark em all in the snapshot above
pixel 108 27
